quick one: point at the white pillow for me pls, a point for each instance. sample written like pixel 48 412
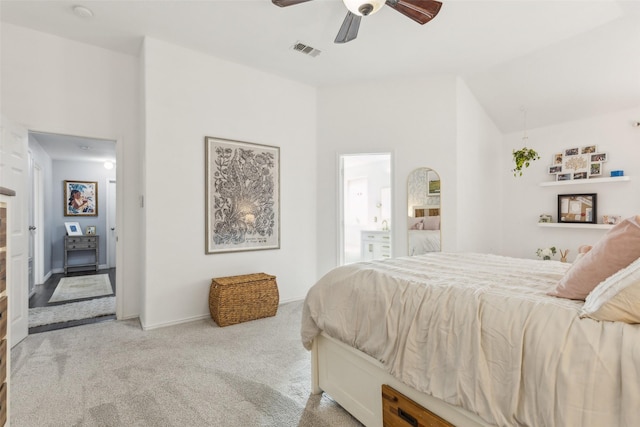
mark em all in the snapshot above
pixel 617 298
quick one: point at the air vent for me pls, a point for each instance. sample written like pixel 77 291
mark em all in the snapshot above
pixel 307 50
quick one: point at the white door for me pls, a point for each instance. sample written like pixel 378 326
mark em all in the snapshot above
pixel 14 174
pixel 36 244
pixel 111 225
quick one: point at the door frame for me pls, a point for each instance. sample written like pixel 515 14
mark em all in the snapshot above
pixel 340 258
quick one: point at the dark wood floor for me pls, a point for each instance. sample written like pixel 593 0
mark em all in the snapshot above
pixel 44 292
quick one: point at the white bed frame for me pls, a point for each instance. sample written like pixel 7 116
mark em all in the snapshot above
pixel 354 380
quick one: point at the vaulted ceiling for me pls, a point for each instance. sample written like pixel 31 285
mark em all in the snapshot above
pixel 558 60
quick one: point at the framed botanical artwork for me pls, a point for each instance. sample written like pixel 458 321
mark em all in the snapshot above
pixel 80 198
pixel 73 228
pixel 579 208
pixel 242 192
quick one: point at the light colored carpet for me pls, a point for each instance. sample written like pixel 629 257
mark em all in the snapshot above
pixel 196 374
pixel 39 316
pixel 77 287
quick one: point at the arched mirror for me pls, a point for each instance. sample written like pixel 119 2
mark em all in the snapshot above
pixel 423 193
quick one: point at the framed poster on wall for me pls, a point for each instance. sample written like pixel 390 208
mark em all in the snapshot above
pixel 242 196
pixel 80 198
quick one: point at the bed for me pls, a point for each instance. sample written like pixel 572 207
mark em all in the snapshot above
pixel 474 338
pixel 423 241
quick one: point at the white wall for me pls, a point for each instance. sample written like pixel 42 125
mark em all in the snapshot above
pixel 523 200
pixel 414 119
pixel 479 176
pixel 188 96
pixel 51 84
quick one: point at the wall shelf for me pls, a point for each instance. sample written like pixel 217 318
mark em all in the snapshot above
pixel 586 181
pixel 575 225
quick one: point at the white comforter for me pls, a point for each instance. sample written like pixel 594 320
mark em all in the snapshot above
pixel 478 331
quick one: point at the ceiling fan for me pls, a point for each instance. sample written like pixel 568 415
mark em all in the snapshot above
pixel 421 11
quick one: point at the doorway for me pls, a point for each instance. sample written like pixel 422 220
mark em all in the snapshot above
pixel 59 162
pixel 365 207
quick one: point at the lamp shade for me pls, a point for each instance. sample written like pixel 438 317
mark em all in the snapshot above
pixel 363 7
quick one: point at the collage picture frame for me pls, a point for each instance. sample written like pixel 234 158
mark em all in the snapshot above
pixel 578 163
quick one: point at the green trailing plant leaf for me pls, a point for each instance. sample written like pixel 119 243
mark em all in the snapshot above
pixel 522 159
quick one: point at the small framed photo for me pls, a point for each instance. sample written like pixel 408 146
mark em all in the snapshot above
pixel 555 169
pixel 73 228
pixel 588 149
pixel 563 177
pixel 91 230
pixel 595 169
pixel 580 175
pixel 572 151
pixel 577 208
pixel 557 159
pixel 434 187
pixel 599 157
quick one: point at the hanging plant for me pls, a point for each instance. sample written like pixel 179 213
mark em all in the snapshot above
pixel 523 158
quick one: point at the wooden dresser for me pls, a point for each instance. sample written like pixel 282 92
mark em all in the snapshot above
pixel 86 244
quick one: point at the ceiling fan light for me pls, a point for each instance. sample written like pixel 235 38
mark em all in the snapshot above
pixel 363 7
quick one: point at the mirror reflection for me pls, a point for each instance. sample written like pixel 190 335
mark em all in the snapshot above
pixel 423 193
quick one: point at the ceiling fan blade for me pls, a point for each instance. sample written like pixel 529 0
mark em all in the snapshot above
pixel 421 11
pixel 285 3
pixel 349 29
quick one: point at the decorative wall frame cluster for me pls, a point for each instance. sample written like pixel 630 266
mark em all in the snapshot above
pixel 578 163
pixel 242 196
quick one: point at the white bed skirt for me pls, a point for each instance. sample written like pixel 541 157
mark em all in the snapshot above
pixel 354 380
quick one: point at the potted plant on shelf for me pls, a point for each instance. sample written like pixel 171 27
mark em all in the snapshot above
pixel 523 158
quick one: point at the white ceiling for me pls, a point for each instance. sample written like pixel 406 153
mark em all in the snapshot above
pixel 66 147
pixel 558 60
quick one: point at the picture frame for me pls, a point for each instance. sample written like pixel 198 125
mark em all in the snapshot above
pixel 578 208
pixel 598 157
pixel 91 230
pixel 80 198
pixel 73 228
pixel 242 192
pixel 564 177
pixel 434 188
pixel 555 169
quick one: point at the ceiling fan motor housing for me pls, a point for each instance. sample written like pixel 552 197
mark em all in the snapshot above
pixel 365 9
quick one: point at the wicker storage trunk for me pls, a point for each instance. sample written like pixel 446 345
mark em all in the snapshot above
pixel 237 299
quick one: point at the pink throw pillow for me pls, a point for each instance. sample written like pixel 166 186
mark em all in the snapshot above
pixel 618 248
pixel 432 222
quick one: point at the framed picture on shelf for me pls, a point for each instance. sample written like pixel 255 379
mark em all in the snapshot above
pixel 80 198
pixel 595 169
pixel 555 169
pixel 73 229
pixel 91 230
pixel 242 192
pixel 557 159
pixel 563 177
pixel 577 208
pixel 599 157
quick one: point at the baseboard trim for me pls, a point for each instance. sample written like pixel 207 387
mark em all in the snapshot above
pixel 174 322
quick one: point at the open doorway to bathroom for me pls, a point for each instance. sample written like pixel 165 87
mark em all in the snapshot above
pixel 71 282
pixel 365 207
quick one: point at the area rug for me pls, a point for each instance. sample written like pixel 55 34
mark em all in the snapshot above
pixel 39 316
pixel 78 287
